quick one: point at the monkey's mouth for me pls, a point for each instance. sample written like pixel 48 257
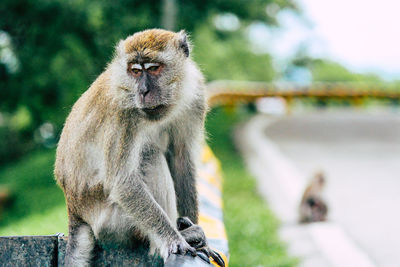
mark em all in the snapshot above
pixel 155 111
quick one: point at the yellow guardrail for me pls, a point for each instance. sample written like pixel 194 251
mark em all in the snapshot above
pixel 209 186
pixel 232 92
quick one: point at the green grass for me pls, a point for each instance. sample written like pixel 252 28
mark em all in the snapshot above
pixel 39 207
pixel 251 226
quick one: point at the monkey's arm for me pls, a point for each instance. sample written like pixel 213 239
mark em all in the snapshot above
pixel 182 168
pixel 180 157
pixel 133 196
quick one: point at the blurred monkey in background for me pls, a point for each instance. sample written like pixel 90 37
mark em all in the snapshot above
pixel 313 207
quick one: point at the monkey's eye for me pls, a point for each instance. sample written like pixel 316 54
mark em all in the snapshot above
pixel 153 68
pixel 135 68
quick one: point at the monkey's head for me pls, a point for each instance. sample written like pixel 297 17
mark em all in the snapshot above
pixel 149 71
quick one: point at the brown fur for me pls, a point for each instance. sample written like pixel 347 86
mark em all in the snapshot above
pixel 155 40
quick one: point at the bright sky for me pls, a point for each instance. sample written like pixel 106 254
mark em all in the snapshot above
pixel 363 35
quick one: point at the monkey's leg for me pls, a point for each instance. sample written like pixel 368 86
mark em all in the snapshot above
pixel 134 197
pixel 80 245
pixel 195 236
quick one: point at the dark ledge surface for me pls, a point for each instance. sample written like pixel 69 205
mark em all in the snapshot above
pixel 50 251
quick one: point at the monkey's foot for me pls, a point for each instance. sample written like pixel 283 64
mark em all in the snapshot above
pixel 194 235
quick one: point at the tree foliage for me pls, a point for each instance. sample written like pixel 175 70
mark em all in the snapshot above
pixel 229 57
pixel 323 70
pixel 328 71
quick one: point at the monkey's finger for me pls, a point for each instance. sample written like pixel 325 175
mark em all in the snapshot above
pixel 217 258
pixel 192 251
pixel 196 242
pixel 195 236
pixel 203 257
pixel 186 249
pixel 183 223
pixel 204 250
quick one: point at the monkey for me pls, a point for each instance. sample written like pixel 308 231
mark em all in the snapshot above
pixel 313 207
pixel 127 155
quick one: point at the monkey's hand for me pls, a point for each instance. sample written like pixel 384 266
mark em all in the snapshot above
pixel 176 245
pixel 194 235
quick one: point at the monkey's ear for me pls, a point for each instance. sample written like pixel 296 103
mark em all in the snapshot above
pixel 183 42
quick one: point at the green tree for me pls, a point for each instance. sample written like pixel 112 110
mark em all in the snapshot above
pixel 324 70
pixel 328 71
pixel 230 57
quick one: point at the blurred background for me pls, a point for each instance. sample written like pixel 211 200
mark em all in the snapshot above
pixel 332 73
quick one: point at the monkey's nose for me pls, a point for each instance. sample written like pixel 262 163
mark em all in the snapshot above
pixel 143 94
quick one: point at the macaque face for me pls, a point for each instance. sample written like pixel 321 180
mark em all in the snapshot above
pixel 154 69
pixel 149 94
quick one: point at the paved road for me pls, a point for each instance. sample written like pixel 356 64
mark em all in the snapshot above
pixel 360 154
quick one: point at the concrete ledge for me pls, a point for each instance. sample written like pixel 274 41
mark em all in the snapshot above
pixel 50 251
pixel 29 251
